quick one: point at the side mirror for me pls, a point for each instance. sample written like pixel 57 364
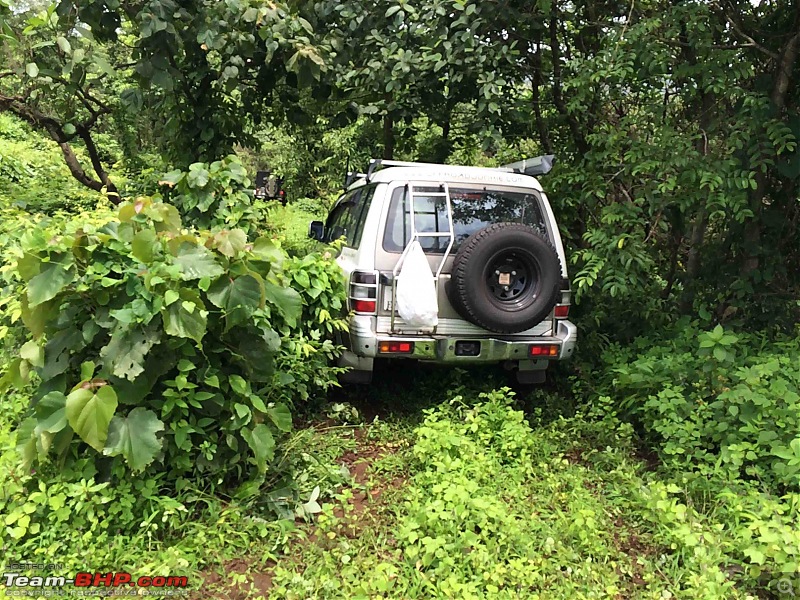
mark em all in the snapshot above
pixel 316 230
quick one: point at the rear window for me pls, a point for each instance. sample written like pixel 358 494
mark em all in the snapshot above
pixel 473 209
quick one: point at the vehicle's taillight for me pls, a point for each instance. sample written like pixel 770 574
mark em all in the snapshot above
pixel 364 291
pixel 364 306
pixel 396 347
pixel 544 350
pixel 561 311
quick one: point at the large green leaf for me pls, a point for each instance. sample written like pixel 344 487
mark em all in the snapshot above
pixel 36 318
pixel 265 249
pixel 261 443
pixel 89 412
pixel 125 353
pixel 47 284
pixel 144 245
pixel 258 347
pixel 51 413
pixel 197 262
pixel 134 437
pixel 238 298
pixel 286 299
pixel 281 416
pixel 33 353
pixel 26 442
pixel 187 318
pixel 230 243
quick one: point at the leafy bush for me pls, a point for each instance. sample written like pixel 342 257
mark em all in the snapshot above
pixel 215 195
pixel 718 402
pixel 169 349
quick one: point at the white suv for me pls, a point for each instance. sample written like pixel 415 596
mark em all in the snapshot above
pixel 491 240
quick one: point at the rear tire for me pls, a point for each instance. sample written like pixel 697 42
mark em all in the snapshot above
pixel 506 278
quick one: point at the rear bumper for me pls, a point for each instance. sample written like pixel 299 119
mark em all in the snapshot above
pixel 364 342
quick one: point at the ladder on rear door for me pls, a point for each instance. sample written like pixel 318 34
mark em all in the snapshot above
pixel 414 191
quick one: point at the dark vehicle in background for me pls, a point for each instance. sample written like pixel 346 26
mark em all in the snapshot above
pixel 269 187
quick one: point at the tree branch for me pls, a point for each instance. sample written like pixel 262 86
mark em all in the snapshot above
pixel 740 32
pixel 558 100
pixel 55 130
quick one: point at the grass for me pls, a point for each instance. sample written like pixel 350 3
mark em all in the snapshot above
pixel 412 493
pixel 472 498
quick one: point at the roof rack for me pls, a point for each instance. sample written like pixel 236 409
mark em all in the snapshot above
pixel 540 165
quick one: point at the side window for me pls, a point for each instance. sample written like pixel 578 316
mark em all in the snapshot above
pixel 341 221
pixel 358 230
pixel 348 216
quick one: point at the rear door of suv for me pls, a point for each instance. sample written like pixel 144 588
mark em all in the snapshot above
pixel 475 206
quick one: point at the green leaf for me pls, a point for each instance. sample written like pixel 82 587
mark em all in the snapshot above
pixel 170 297
pixel 242 410
pixel 63 44
pixel 258 403
pixel 102 64
pixel 33 353
pixel 51 413
pixel 265 249
pixel 238 384
pixel 197 176
pixel 16 375
pixel 47 284
pixel 179 322
pixel 134 437
pixel 144 246
pixel 89 413
pixel 230 243
pixel 302 278
pixel 26 442
pixel 238 298
pixel 32 70
pixel 197 262
pixel 281 416
pixel 87 370
pixel 127 350
pixel 286 299
pixel 250 15
pixel 36 318
pixel 261 443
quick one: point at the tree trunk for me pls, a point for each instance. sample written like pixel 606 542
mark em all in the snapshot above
pixel 388 137
pixel 574 126
pixel 752 231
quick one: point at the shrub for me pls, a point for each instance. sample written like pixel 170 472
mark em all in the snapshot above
pixel 215 195
pixel 719 402
pixel 160 348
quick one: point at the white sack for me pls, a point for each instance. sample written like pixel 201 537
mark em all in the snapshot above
pixel 416 290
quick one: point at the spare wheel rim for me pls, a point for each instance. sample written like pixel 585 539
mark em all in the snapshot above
pixel 512 278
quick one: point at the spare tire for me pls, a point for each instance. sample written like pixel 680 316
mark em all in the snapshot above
pixel 506 278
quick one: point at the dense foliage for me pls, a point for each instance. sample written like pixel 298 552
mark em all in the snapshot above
pixel 139 326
